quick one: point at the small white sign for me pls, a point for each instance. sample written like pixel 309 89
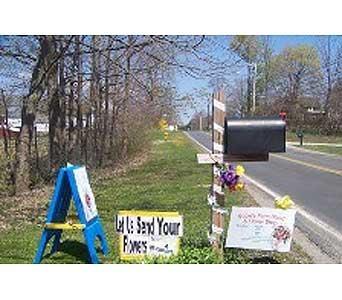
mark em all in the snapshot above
pixel 85 193
pixel 148 233
pixel 210 158
pixel 261 228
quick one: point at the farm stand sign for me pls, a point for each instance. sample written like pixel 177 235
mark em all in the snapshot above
pixel 148 233
pixel 85 192
pixel 261 228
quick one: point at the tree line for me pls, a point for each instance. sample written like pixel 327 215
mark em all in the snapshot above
pixel 291 80
pixel 99 95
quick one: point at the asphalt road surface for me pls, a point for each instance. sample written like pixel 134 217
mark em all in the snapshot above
pixel 314 181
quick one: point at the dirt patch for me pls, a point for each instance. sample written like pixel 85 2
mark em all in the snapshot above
pixel 31 207
pixel 25 208
pixel 119 168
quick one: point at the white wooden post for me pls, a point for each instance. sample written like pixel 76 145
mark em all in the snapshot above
pixel 217 192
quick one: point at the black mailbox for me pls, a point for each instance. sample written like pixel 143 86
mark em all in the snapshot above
pixel 254 136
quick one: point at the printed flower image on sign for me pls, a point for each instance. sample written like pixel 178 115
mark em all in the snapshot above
pixel 85 193
pixel 148 233
pixel 261 228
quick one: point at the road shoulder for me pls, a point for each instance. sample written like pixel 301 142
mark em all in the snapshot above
pixel 317 255
pixel 308 235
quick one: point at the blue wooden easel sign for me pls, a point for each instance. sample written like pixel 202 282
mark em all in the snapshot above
pixel 72 183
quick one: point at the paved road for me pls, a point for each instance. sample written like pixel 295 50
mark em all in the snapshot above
pixel 313 180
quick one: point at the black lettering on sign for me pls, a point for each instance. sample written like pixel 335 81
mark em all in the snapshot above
pixel 144 244
pixel 139 225
pixel 160 224
pixel 119 224
pixel 134 246
pixel 132 226
pixel 145 227
pixel 168 228
pixel 125 243
pixel 127 224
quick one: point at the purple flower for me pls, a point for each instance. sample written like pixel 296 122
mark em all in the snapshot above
pixel 228 176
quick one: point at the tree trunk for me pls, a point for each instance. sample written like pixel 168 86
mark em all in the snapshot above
pixel 6 136
pixel 79 119
pixel 104 131
pixel 127 97
pixel 57 116
pixel 46 60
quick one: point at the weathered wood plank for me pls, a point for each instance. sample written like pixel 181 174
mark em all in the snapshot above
pixel 209 158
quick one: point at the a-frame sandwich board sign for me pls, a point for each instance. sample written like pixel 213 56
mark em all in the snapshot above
pixel 72 183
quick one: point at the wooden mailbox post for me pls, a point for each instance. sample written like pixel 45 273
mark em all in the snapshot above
pixel 216 197
pixel 250 139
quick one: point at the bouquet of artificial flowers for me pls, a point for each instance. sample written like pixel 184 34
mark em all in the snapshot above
pixel 230 176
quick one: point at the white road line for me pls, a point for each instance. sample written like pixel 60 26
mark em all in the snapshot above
pixel 197 142
pixel 262 187
pixel 273 194
pixel 319 223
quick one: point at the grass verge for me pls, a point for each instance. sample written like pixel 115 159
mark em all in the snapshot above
pixel 170 180
pixel 324 149
pixel 314 138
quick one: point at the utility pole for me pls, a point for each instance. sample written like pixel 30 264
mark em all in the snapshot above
pixel 254 69
pixel 208 113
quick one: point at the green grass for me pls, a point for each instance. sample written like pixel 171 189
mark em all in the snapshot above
pixel 171 180
pixel 325 149
pixel 314 138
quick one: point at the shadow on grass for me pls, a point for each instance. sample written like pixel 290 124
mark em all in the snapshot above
pixel 73 248
pixel 264 260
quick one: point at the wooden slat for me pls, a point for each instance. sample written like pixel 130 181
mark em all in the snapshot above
pixel 219 117
pixel 219 105
pixel 217 218
pixel 218 189
pixel 218 147
pixel 219 128
pixel 209 158
pixel 218 221
pixel 220 199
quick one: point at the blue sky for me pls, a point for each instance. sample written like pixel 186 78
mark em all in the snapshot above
pixel 186 84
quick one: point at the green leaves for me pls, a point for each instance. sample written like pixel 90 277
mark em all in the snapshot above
pixel 247 47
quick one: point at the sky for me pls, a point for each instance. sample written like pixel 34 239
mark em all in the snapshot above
pixel 279 43
pixel 186 84
pixel 218 47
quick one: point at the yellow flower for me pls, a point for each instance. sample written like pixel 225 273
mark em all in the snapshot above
pixel 240 170
pixel 284 203
pixel 240 186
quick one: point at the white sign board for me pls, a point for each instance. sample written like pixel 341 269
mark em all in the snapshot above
pixel 209 158
pixel 148 233
pixel 261 228
pixel 85 193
